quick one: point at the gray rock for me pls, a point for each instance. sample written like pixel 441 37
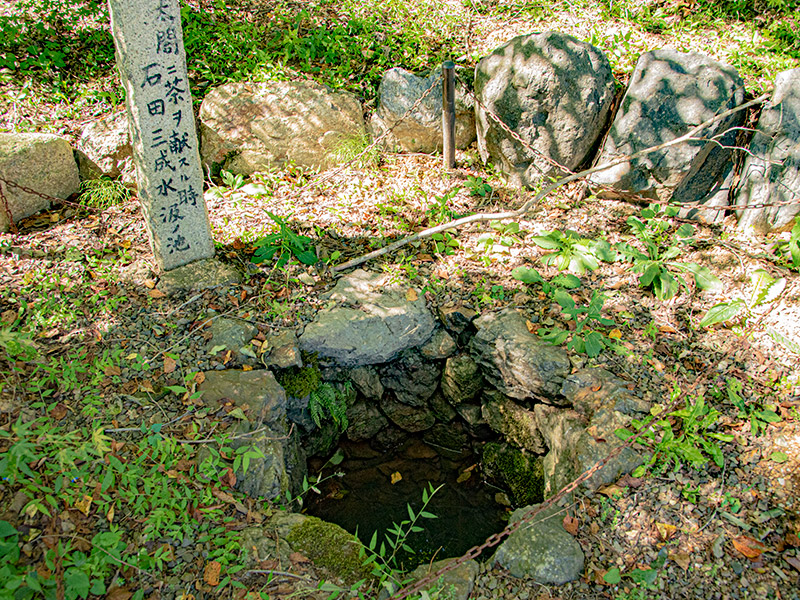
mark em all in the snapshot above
pixel 772 168
pixel 233 334
pixel 576 445
pixel 441 408
pixel 284 351
pixel 440 346
pixel 373 323
pixel 263 402
pixel 516 361
pixel 554 92
pixel 516 424
pixel 161 117
pixel 474 421
pixel 365 421
pixel 41 162
pixel 411 377
pixel 409 418
pixel 199 275
pixel 421 131
pixel 457 318
pixel 257 392
pixel 455 584
pixel 670 92
pixel 543 551
pixel 367 381
pixel 104 148
pixel 450 438
pixel 461 379
pixel 589 390
pixel 248 127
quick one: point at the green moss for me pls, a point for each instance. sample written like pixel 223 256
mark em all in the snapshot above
pixel 329 546
pixel 299 382
pixel 521 473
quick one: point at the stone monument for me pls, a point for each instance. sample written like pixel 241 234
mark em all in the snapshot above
pixel 152 63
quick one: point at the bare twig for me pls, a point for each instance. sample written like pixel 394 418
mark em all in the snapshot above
pixel 277 573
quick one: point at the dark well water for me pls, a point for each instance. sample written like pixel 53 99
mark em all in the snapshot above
pixel 366 500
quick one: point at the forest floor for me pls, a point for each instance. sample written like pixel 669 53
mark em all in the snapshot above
pixel 99 365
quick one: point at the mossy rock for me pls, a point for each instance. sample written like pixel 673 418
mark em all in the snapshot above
pixel 516 470
pixel 299 382
pixel 329 546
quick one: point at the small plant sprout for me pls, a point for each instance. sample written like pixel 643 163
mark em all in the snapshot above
pixel 568 251
pixel 284 244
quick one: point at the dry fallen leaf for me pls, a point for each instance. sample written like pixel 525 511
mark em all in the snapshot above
pixel 199 377
pixel 411 295
pixel 571 525
pixel 84 504
pixel 118 593
pixel 748 546
pixel 110 514
pixel 615 334
pixel 396 477
pixel 681 559
pixel 666 531
pixel 211 573
pixel 463 476
pixel 532 327
pixel 58 412
pixel 795 562
pixel 169 364
pixel 610 490
pixel 156 294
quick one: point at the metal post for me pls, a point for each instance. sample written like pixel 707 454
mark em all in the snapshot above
pixel 449 114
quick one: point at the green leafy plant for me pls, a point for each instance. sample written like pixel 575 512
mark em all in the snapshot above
pixel 438 211
pixel 684 436
pixel 659 271
pixel 765 290
pixel 759 416
pixel 478 187
pixel 530 275
pixel 444 243
pixel 103 192
pixel 584 338
pixel 789 250
pixel 385 557
pixel 497 243
pixel 570 251
pixel 327 402
pixel 284 244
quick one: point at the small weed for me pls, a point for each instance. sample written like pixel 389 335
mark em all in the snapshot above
pixel 659 271
pixel 478 187
pixel 438 212
pixel 570 251
pixel 497 244
pixel 284 244
pixel 685 436
pixel 789 250
pixel 103 193
pixel 758 416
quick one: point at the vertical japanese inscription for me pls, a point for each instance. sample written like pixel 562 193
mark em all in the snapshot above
pixel 152 64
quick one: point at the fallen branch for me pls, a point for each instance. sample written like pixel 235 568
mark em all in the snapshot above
pixel 528 206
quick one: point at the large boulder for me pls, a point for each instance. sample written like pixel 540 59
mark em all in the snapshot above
pixel 544 551
pixel 576 446
pixel 261 403
pixel 515 361
pixel 104 148
pixel 771 171
pixel 39 161
pixel 421 131
pixel 554 92
pixel 373 322
pixel 670 93
pixel 248 127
